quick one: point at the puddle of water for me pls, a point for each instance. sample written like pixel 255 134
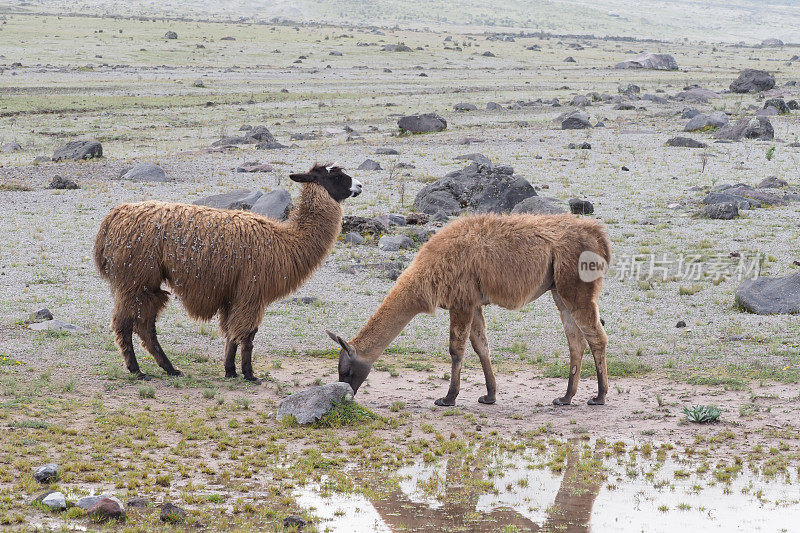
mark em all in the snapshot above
pixel 516 492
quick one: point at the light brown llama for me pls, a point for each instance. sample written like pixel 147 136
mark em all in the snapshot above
pixel 233 263
pixel 506 260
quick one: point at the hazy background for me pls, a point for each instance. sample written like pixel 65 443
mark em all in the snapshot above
pixel 714 20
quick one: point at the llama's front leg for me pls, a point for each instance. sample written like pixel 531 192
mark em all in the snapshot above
pixel 460 324
pixel 589 322
pixel 247 358
pixel 230 358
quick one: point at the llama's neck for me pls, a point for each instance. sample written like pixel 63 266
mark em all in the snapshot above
pixel 402 304
pixel 310 234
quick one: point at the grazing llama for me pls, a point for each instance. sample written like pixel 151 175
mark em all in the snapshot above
pixel 234 263
pixel 506 260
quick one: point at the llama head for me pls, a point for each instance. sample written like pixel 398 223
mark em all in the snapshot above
pixel 352 369
pixel 333 179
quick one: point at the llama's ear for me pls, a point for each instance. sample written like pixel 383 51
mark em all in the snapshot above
pixel 343 343
pixel 304 177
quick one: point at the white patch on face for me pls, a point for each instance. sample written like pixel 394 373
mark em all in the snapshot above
pixel 355 187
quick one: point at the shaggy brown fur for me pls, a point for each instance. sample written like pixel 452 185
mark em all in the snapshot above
pixel 506 260
pixel 233 263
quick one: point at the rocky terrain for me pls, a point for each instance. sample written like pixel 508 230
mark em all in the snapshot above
pixel 686 150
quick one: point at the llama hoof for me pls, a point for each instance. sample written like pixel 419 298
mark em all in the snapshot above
pixel 444 402
pixel 231 375
pixel 174 373
pixel 562 401
pixel 142 376
pixel 487 400
pixel 252 379
pixel 597 401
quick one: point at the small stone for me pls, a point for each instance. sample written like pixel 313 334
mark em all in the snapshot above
pixel 294 521
pixel 171 513
pixel 40 316
pixel 62 183
pixel 416 219
pixel 311 404
pixel 369 164
pixel 198 83
pixel 393 243
pixel 170 35
pixel 354 238
pixel 46 473
pixel 138 502
pixel 680 324
pixel 579 146
pixel 11 147
pixel 581 207
pixel 397 220
pixel 387 151
pixel 55 325
pixel 55 500
pixel 685 142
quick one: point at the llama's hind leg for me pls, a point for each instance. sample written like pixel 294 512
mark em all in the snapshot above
pixel 122 326
pixel 460 324
pixel 247 358
pixel 588 319
pixel 577 345
pixel 153 301
pixel 480 344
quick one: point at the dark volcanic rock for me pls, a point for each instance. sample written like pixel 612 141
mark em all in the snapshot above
pixel 770 296
pixel 581 207
pixel 747 128
pixel 479 188
pixel 576 120
pixel 753 81
pixel 424 123
pixel 717 119
pixel 62 183
pixel 722 211
pixel 778 104
pixel 465 107
pixel 170 35
pixel 362 226
pixel 46 473
pixel 171 513
pixel 686 142
pixel 77 150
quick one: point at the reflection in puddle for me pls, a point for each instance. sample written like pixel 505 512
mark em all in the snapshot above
pixel 575 487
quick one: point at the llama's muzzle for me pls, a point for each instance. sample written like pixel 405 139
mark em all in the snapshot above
pixel 355 187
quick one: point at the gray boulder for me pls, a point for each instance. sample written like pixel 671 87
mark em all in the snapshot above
pixel 393 243
pixel 650 61
pixel 46 473
pixel 772 183
pixel 465 107
pixel 690 112
pixel 275 204
pixel 243 199
pixel 581 207
pixel 261 134
pixel 772 42
pixel 742 203
pixel 40 316
pixel 753 81
pixel 354 238
pixel 717 119
pixel 254 166
pixel 493 106
pixel 747 128
pixel 722 211
pixel 395 48
pixel 696 95
pixel 11 147
pixel 685 142
pixel 479 188
pixel 170 35
pixel 147 172
pixel 369 164
pixel 312 404
pixel 770 296
pixel 387 151
pixel 577 120
pixel 424 123
pixel 77 150
pixel 540 205
pixel 629 89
